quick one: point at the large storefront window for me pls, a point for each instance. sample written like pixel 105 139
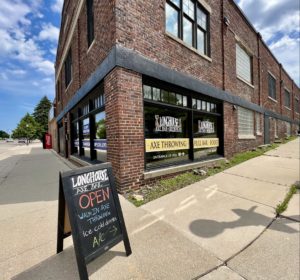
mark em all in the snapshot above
pixel 86 137
pixel 100 143
pixel 180 129
pixel 76 137
pixel 166 133
pixel 205 136
pixel 88 127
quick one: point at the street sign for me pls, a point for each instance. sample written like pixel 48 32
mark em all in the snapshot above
pixel 89 210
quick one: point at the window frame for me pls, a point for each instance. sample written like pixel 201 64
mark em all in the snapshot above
pixel 68 69
pixel 287 93
pixel 250 56
pixel 90 22
pixel 296 106
pixel 212 111
pixel 195 25
pixel 271 91
pixel 243 135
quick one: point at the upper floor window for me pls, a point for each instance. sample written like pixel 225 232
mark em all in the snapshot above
pixel 287 99
pixel 297 106
pixel 90 21
pixel 188 21
pixel 68 68
pixel 243 64
pixel 272 86
pixel 58 91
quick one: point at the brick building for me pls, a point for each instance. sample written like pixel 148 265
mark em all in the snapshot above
pixel 158 87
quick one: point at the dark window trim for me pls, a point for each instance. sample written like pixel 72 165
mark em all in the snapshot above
pixel 90 21
pixel 148 81
pixel 68 69
pixel 195 25
pixel 287 94
pixel 272 91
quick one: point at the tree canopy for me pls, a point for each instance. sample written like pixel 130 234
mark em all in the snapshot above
pixel 27 128
pixel 40 115
pixel 3 134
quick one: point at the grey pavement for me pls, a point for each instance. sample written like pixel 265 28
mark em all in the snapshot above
pixel 224 227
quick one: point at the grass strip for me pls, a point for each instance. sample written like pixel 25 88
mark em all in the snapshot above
pixel 283 205
pixel 166 186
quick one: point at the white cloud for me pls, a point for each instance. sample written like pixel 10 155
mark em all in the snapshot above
pixel 17 44
pixel 49 32
pixel 278 22
pixel 18 72
pixel 57 6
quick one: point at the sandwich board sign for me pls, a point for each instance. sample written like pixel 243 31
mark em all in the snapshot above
pixel 89 209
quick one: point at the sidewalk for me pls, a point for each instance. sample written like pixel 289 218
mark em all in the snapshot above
pixel 203 231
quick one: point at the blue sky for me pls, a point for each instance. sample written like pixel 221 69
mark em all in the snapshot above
pixel 28 39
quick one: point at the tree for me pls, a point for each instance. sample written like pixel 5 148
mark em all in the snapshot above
pixel 40 115
pixel 3 134
pixel 28 128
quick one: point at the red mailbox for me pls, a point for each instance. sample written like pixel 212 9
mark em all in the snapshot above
pixel 48 141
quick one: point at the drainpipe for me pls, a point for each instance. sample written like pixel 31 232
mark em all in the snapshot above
pixel 280 88
pixel 259 68
pixel 224 25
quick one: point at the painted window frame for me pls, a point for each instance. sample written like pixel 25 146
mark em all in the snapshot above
pixel 90 21
pixel 68 69
pixel 287 98
pixel 271 86
pixel 245 115
pixel 240 49
pixel 182 15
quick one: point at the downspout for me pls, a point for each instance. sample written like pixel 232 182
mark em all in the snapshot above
pixel 280 88
pixel 223 45
pixel 259 69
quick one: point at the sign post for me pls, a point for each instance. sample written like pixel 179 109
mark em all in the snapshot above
pixel 90 210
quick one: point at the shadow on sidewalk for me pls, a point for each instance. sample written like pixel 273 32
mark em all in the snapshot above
pixel 64 266
pixel 210 228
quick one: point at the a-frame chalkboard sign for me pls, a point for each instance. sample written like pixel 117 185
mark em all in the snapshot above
pixel 89 209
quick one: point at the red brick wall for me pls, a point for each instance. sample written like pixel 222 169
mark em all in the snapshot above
pixel 141 26
pixel 232 144
pixel 125 127
pixel 85 59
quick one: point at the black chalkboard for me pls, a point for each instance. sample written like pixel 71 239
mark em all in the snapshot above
pixel 94 213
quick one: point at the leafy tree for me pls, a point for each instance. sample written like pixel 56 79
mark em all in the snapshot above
pixel 101 130
pixel 40 115
pixel 3 134
pixel 28 128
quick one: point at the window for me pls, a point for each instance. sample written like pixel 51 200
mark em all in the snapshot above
pixel 179 128
pixel 297 105
pixel 100 142
pixel 243 64
pixel 275 129
pixel 164 96
pixel 58 91
pixel 287 99
pixel 188 21
pixel 90 21
pixel 245 123
pixel 258 124
pixel 272 87
pixel 288 129
pixel 68 68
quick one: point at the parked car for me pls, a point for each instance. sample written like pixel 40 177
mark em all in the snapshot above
pixel 9 140
pixel 22 141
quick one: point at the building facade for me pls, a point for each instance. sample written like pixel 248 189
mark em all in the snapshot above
pixel 158 87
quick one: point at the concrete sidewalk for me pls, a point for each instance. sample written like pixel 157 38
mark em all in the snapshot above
pixel 220 228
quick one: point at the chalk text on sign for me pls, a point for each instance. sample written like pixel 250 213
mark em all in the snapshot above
pixel 93 198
